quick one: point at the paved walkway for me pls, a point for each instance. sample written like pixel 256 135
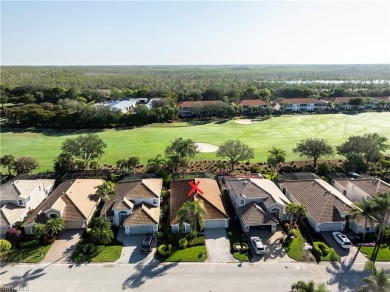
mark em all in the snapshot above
pixel 218 246
pixel 131 252
pixel 347 256
pixel 63 247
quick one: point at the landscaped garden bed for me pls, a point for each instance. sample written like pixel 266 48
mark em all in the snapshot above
pixel 88 251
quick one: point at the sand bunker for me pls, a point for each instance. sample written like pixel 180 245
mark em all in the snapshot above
pixel 244 122
pixel 206 148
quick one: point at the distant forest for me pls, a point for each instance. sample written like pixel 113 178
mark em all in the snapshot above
pixel 64 97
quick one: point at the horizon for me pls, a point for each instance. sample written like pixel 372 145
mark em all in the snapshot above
pixel 185 33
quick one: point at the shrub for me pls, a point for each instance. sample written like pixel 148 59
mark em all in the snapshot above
pixel 160 234
pixel 197 241
pixel 286 226
pixel 89 248
pixel 230 234
pixel 321 248
pixel 183 243
pixel 334 256
pixel 164 250
pixel 28 244
pixel 164 193
pixel 295 226
pixel 244 246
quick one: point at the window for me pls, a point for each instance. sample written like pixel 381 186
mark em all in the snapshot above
pixel 303 104
pixel 344 192
pixel 28 199
pixel 242 202
pixel 154 201
pixel 52 215
pixel 20 202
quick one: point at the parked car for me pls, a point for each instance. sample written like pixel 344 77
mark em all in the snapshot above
pixel 342 240
pixel 147 243
pixel 257 245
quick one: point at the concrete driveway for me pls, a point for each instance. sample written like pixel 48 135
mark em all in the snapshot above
pixel 351 255
pixel 131 252
pixel 273 246
pixel 62 249
pixel 218 246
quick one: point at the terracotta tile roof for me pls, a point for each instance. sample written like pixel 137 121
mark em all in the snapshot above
pixel 343 182
pixel 79 197
pixel 252 214
pixel 253 102
pixel 198 103
pixel 210 200
pixel 371 186
pixel 323 202
pixel 384 98
pixel 143 214
pixel 302 101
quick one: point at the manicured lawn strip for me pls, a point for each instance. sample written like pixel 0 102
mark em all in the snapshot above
pixel 27 255
pixel 148 141
pixel 189 254
pixel 295 248
pixel 103 253
pixel 383 253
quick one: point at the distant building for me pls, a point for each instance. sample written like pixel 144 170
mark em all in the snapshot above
pixel 303 104
pixel 187 108
pixel 246 103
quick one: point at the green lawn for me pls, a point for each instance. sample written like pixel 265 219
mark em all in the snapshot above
pixel 148 141
pixel 295 248
pixel 189 254
pixel 383 253
pixel 104 253
pixel 27 255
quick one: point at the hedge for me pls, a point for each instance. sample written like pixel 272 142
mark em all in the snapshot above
pixel 197 241
pixel 321 248
pixel 28 244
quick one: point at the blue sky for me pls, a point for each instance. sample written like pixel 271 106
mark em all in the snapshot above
pixel 184 32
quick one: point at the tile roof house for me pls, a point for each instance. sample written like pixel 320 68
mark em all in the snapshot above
pixel 303 104
pixel 210 200
pixel 18 197
pixel 187 107
pixel 258 202
pixel 74 201
pixel 343 103
pixel 246 103
pixel 326 207
pixel 360 188
pixel 135 206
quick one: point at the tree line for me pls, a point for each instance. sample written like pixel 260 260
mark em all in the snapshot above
pixel 85 151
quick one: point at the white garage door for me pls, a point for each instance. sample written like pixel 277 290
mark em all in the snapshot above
pixel 214 224
pixel 141 229
pixel 331 227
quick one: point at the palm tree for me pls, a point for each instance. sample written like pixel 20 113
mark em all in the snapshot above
pixel 377 282
pixel 295 211
pixel 310 286
pixel 55 225
pixel 105 189
pixel 364 209
pixel 192 212
pixel 156 164
pixel 277 156
pixel 101 231
pixel 382 208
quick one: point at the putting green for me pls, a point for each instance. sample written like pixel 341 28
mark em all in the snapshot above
pixel 146 142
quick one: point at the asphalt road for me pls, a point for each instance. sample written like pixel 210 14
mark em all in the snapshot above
pixel 179 276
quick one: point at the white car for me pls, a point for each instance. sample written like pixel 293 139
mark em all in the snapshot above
pixel 342 240
pixel 257 245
